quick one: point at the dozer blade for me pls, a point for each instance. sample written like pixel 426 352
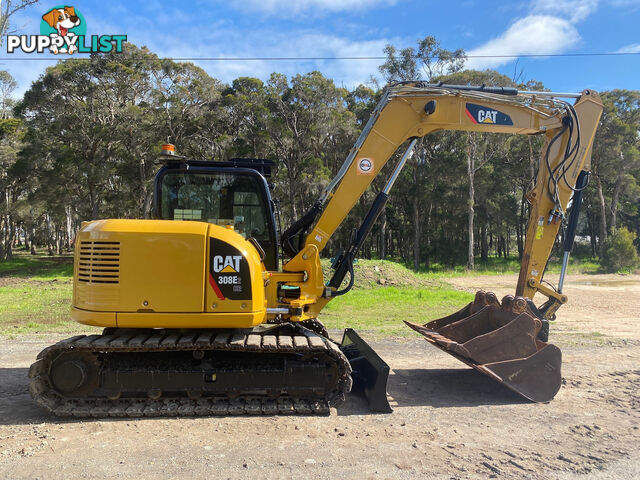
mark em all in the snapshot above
pixel 501 341
pixel 370 373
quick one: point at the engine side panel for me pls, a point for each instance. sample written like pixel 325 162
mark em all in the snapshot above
pixel 166 274
pixel 140 266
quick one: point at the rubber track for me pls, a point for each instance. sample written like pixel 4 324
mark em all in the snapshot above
pixel 268 341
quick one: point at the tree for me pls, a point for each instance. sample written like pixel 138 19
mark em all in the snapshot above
pixel 93 131
pixel 425 62
pixel 8 10
pixel 619 253
pixel 616 160
pixel 88 131
pixel 306 118
pixel 480 147
pixel 7 87
pixel 248 112
pixel 11 136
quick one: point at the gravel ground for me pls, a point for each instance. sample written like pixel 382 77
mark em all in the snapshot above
pixel 449 421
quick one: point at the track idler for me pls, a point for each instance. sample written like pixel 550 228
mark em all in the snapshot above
pixel 503 342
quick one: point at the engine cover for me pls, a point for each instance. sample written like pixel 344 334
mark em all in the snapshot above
pixel 166 274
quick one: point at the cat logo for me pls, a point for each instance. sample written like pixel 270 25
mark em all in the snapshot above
pixel 481 114
pixel 487 116
pixel 227 264
pixel 229 272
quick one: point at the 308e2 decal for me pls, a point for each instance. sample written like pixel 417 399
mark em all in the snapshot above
pixel 228 271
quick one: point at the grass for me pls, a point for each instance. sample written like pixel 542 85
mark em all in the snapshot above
pixel 381 311
pixel 35 294
pixel 37 267
pixel 381 273
pixel 35 306
pixel 501 266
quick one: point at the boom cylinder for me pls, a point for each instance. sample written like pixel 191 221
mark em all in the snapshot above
pixel 345 262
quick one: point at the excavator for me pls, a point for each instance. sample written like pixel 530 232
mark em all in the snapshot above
pixel 198 317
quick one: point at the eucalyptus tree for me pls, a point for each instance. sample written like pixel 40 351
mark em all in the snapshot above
pixel 247 120
pixel 305 115
pixel 427 61
pixel 11 137
pixel 616 162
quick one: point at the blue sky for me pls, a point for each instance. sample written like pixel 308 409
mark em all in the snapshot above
pixel 329 28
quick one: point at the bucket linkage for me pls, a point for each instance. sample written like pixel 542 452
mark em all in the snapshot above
pixel 501 340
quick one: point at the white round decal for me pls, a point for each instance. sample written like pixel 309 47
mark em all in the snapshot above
pixel 365 166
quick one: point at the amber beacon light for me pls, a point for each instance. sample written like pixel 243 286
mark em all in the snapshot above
pixel 168 149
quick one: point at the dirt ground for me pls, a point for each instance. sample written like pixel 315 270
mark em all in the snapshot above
pixel 448 422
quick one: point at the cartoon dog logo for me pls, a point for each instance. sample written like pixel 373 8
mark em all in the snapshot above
pixel 62 19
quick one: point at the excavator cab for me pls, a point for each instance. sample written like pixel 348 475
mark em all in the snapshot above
pixel 233 194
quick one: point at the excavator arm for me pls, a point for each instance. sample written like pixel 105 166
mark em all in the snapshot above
pixel 504 340
pixel 411 110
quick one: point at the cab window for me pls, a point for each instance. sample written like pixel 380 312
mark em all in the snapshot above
pixel 217 198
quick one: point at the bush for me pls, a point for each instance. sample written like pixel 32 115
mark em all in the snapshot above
pixel 619 253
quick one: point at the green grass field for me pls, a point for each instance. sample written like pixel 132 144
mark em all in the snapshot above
pixel 35 295
pixel 381 311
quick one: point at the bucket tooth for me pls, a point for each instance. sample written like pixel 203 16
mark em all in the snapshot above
pixel 500 340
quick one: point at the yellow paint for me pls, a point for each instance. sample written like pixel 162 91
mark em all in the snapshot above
pixel 190 320
pixel 538 244
pixel 311 290
pixel 97 319
pixel 161 266
pixel 161 270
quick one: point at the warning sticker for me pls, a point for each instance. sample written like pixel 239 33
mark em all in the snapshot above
pixel 365 166
pixel 540 229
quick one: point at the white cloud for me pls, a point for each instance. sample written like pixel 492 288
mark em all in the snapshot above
pixel 223 38
pixel 535 34
pixel 574 10
pixel 632 48
pixel 293 7
pixel 275 43
pixel 550 28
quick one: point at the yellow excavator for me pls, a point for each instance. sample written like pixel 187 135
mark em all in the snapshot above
pixel 199 320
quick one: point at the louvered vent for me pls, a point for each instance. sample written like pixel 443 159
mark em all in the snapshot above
pixel 99 262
